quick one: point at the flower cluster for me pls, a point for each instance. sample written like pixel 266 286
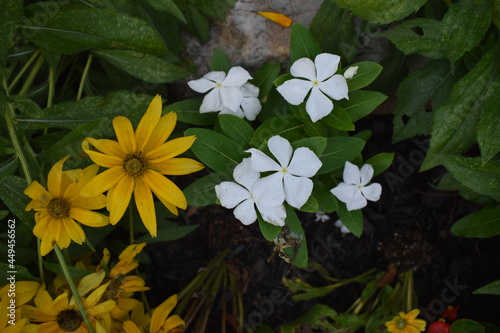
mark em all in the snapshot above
pixel 229 94
pixel 289 181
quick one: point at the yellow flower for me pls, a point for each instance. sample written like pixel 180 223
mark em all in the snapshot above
pixel 406 323
pixel 137 163
pixel 58 207
pixel 160 321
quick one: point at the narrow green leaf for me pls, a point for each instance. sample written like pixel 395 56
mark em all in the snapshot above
pixel 220 61
pixel 168 6
pixel 483 224
pixel 188 111
pixel 74 272
pixel 12 195
pixel 314 317
pixel 8 167
pixel 197 22
pixel 380 162
pixel 202 191
pixel 490 289
pixel 361 103
pixel 286 126
pixel 10 15
pixel 338 150
pixel 214 8
pixel 316 144
pixel 366 74
pixel 236 129
pixel 353 219
pixel 167 232
pixel 488 135
pixel 302 44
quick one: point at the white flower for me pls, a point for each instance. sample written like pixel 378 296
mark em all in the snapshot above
pixel 320 80
pixel 343 228
pixel 224 91
pixel 250 106
pixel 350 72
pixel 321 216
pixel 240 195
pixel 291 181
pixel 353 191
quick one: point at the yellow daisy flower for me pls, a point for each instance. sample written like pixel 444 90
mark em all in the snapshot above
pixel 160 321
pixel 137 163
pixel 60 206
pixel 406 323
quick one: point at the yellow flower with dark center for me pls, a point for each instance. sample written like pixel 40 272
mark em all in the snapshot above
pixel 406 323
pixel 137 163
pixel 59 207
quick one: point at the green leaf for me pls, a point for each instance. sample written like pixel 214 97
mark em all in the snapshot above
pixel 188 111
pixel 339 119
pixel 463 27
pixel 12 195
pixel 197 22
pixel 381 11
pixel 466 325
pixel 264 78
pixel 22 273
pixel 298 255
pixel 317 144
pixel 215 150
pixel 351 321
pixel 286 126
pixel 202 191
pixel 353 219
pixel 214 8
pixel 454 126
pixel 338 150
pixel 302 44
pixel 8 167
pixel 491 289
pixel 314 317
pixel 361 103
pixel 220 61
pixel 10 15
pixel 366 74
pixel 488 135
pixel 380 162
pixel 74 272
pixel 326 200
pixel 168 231
pixel 268 230
pixel 236 129
pixel 420 35
pixel 143 66
pixel 311 205
pixel 483 224
pixel 169 7
pixel 72 31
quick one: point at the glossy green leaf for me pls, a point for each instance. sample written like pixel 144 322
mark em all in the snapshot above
pixel 299 256
pixel 316 144
pixel 326 200
pixel 201 192
pixel 286 126
pixel 466 325
pixel 488 135
pixel 197 22
pixel 353 219
pixel 483 224
pixel 8 167
pixel 380 162
pixel 220 61
pixel 214 8
pixel 492 288
pixel 12 195
pixel 143 66
pixel 215 150
pixel 311 205
pixel 361 103
pixel 237 129
pixel 168 231
pixel 302 44
pixel 366 74
pixel 188 111
pixel 168 6
pixel 381 11
pixel 264 78
pixel 10 14
pixel 338 150
pixel 268 230
pixel 339 119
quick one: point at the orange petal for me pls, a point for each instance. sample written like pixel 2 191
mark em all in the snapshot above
pixel 125 134
pixel 148 123
pixel 281 19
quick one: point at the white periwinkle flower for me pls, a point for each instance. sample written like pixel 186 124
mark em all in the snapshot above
pixel 318 77
pixel 343 228
pixel 241 196
pixel 224 91
pixel 291 180
pixel 353 191
pixel 250 105
pixel 350 72
pixel 321 216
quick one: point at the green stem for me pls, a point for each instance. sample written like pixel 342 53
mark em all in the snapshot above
pixel 84 76
pixel 32 75
pixel 130 224
pixel 40 260
pixel 72 286
pixel 9 115
pixel 52 86
pixel 23 70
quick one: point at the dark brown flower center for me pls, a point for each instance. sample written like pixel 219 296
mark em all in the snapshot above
pixel 112 291
pixel 135 165
pixel 58 208
pixel 69 320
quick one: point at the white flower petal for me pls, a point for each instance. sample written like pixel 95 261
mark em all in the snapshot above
pixel 201 85
pixel 230 194
pixel 251 107
pixel 344 230
pixel 304 67
pixel 338 223
pixel 366 174
pixel 249 90
pixel 261 162
pixel 281 149
pixel 372 192
pixel 297 190
pixel 211 102
pixel 304 163
pixel 275 215
pixel 245 212
pixel 239 113
pixel 318 105
pixel 216 76
pixel 358 201
pixel 344 192
pixel 350 72
pixel 295 90
pixel 335 87
pixel 236 77
pixel 326 65
pixel 351 174
pixel 231 97
pixel 244 174
pixel 269 190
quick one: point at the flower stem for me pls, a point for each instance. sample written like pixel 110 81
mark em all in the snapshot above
pixel 23 70
pixel 9 115
pixel 52 86
pixel 32 75
pixel 84 77
pixel 72 286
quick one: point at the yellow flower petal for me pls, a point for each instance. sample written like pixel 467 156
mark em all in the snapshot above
pixel 103 182
pixel 92 203
pixel 170 149
pixel 90 282
pixel 169 206
pixel 130 327
pixel 35 314
pixel 64 239
pixel 281 19
pixel 108 147
pixel 37 192
pixel 173 322
pixel 145 205
pixel 42 225
pixel 48 243
pixel 95 296
pixel 125 134
pixel 410 316
pixel 148 123
pixel 165 189
pixel 36 205
pixel 51 327
pixel 54 178
pixel 104 160
pixel 120 198
pixel 88 217
pixel 73 230
pixel 161 132
pixel 161 313
pixel 177 166
pixel 102 308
